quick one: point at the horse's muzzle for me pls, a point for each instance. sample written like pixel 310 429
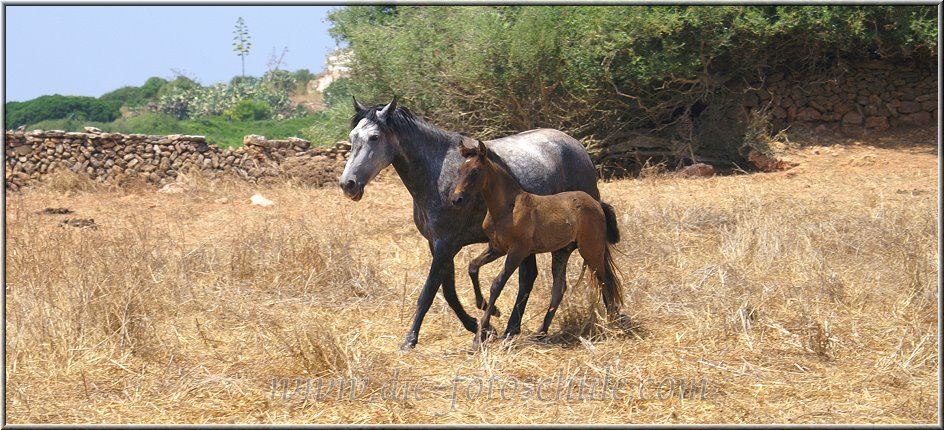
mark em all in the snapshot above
pixel 352 189
pixel 459 199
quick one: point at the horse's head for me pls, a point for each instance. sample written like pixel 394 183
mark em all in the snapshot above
pixel 471 173
pixel 373 146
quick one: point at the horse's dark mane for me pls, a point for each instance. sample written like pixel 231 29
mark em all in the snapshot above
pixel 402 122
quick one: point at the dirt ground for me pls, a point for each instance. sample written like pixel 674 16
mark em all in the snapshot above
pixel 804 296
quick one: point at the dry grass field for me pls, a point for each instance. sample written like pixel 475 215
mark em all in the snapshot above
pixel 805 296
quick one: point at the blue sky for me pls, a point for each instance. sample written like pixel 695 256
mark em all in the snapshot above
pixel 91 50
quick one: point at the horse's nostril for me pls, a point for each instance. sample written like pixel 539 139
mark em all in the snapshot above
pixel 349 185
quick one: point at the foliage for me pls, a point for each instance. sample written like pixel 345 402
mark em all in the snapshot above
pixel 249 110
pixel 338 93
pixel 189 102
pixel 57 106
pixel 599 72
pixel 279 80
pixel 333 123
pixel 218 130
pixel 302 77
pixel 135 96
pixel 241 43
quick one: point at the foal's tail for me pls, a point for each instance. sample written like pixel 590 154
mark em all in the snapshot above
pixel 612 230
pixel 612 282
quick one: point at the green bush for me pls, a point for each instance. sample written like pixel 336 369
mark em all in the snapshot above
pixel 218 130
pixel 598 72
pixel 302 76
pixel 59 107
pixel 248 110
pixel 135 96
pixel 195 102
pixel 332 124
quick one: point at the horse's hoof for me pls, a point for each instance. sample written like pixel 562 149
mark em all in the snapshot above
pixel 408 343
pixel 510 334
pixel 622 322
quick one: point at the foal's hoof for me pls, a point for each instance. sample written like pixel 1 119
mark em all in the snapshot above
pixel 495 311
pixel 408 343
pixel 482 335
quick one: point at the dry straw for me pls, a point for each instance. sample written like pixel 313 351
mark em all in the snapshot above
pixel 801 297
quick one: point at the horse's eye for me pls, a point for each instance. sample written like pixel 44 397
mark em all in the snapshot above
pixel 373 138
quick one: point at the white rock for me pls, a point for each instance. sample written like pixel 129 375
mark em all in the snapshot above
pixel 257 199
pixel 173 188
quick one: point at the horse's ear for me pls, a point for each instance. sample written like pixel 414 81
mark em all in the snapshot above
pixel 387 110
pixel 358 107
pixel 483 151
pixel 467 151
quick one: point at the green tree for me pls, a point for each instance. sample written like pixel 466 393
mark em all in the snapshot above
pixel 135 96
pixel 241 43
pixel 59 107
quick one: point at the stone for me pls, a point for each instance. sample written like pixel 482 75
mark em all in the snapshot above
pixel 808 114
pixel 92 130
pixel 173 188
pixel 259 200
pixel 852 117
pixel 697 170
pixel 877 123
pixel 909 107
pixel 917 118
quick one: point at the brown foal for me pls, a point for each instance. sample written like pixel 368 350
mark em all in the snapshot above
pixel 519 224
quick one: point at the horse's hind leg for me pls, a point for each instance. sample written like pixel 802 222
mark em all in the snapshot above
pixel 489 255
pixel 559 270
pixel 449 293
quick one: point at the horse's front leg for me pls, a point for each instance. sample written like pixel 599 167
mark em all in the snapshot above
pixel 489 255
pixel 512 261
pixel 443 253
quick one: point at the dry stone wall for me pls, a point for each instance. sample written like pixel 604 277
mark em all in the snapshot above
pixel 861 97
pixel 158 159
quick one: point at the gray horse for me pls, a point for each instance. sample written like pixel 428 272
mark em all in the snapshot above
pixel 427 158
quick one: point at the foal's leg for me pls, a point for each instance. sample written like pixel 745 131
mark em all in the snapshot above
pixel 527 274
pixel 489 255
pixel 512 261
pixel 559 269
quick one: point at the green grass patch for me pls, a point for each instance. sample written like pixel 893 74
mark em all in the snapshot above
pixel 321 128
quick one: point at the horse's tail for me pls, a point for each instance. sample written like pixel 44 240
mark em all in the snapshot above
pixel 612 230
pixel 612 283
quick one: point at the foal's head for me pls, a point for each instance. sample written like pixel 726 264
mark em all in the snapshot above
pixel 471 173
